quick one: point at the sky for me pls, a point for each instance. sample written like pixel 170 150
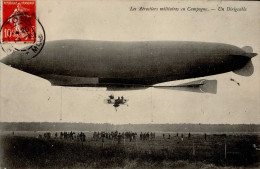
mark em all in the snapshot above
pixel 27 98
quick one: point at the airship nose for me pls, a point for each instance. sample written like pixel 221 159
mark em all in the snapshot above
pixel 23 62
pixel 14 60
pixel 6 60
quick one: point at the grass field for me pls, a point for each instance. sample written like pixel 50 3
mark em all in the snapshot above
pixel 31 152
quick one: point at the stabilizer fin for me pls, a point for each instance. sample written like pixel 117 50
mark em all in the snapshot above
pixel 199 86
pixel 247 70
pixel 247 49
pixel 250 55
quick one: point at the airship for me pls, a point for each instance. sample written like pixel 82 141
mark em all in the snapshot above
pixel 134 65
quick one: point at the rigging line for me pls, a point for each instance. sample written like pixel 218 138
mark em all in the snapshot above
pixel 60 103
pixel 152 104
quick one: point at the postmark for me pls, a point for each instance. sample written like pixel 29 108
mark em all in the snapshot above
pixel 21 31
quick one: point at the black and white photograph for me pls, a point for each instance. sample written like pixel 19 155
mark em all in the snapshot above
pixel 129 84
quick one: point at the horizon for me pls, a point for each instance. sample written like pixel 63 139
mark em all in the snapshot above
pixel 134 123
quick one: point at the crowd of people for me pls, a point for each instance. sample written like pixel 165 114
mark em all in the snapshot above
pixel 114 135
pixel 65 135
pixel 147 136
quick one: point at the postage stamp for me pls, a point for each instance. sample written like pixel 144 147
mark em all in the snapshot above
pixel 20 23
pixel 21 30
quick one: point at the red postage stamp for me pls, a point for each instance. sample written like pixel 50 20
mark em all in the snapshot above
pixel 18 21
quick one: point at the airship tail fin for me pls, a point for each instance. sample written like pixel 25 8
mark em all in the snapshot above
pixel 249 51
pixel 250 55
pixel 247 70
pixel 199 86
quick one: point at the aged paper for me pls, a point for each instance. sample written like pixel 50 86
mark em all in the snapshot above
pixel 31 29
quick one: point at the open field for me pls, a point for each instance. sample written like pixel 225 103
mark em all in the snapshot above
pixel 217 151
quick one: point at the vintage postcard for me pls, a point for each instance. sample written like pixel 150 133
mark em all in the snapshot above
pixel 129 84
